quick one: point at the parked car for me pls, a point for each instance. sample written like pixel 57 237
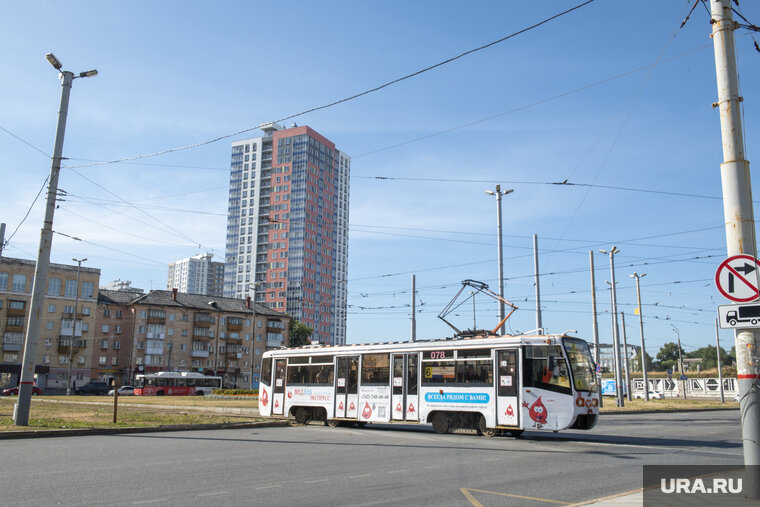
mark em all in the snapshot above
pixel 93 387
pixel 653 395
pixel 14 391
pixel 124 391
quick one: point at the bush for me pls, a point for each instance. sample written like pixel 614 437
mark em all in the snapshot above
pixel 232 392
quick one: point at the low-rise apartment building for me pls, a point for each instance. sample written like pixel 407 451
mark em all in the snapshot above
pixel 65 331
pixel 171 330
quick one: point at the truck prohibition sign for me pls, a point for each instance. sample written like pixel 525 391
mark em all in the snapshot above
pixel 739 316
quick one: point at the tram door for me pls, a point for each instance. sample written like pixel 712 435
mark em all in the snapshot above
pixel 278 398
pixel 507 388
pixel 347 387
pixel 405 397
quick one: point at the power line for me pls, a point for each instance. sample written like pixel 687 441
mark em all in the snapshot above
pixel 346 99
pixel 31 206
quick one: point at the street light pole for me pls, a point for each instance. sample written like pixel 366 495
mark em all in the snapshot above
pixel 498 193
pixel 638 277
pixel 680 361
pixel 69 387
pixel 615 330
pixel 21 410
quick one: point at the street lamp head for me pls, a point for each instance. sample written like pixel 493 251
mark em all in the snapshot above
pixel 490 192
pixel 603 251
pixel 55 62
pixel 508 191
pixel 89 73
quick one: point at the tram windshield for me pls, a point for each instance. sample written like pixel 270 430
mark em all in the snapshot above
pixel 584 370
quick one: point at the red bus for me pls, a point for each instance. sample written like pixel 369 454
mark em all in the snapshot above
pixel 181 383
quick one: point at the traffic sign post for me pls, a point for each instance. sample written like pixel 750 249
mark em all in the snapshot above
pixel 737 278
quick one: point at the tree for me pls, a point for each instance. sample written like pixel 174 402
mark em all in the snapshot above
pixel 710 358
pixel 636 362
pixel 298 333
pixel 668 353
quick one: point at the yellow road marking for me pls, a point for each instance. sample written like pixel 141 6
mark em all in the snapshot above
pixel 475 503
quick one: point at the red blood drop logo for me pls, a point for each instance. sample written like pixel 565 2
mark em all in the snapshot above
pixel 264 398
pixel 352 407
pixel 398 407
pixel 290 394
pixel 411 408
pixel 340 407
pixel 276 404
pixel 537 411
pixel 510 412
pixel 367 412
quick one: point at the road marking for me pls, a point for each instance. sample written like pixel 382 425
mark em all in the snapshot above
pixel 151 501
pixel 358 476
pixel 214 493
pixel 475 503
pixel 315 481
pixel 269 487
pixel 432 467
pixel 611 497
pixel 397 471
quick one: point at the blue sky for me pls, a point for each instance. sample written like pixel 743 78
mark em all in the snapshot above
pixel 613 95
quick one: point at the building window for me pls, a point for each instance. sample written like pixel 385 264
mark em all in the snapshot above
pixel 114 361
pixel 88 289
pixel 80 359
pixel 50 325
pixel 140 345
pixel 184 332
pixel 139 360
pixel 105 328
pixel 143 314
pixel 54 287
pixel 19 283
pixel 45 359
pixel 63 359
pixel 116 345
pixel 85 326
pixel 71 289
pixel 3 281
pixel 102 360
pixel 104 344
pixel 10 358
pixel 85 310
pixel 48 342
pixel 51 308
pixel 106 312
pixel 68 309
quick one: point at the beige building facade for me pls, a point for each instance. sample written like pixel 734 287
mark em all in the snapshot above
pixel 67 327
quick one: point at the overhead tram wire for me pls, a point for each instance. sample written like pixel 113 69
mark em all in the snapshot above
pixel 75 238
pixel 31 207
pixel 343 100
pixel 200 245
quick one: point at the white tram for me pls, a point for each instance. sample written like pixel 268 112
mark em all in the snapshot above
pixel 494 383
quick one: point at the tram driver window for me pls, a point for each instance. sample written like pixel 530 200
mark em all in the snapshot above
pixel 546 368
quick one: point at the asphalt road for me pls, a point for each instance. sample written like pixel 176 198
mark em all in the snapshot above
pixel 376 465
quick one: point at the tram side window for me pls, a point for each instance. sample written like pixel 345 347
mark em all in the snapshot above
pixel 545 368
pixel 298 374
pixel 266 371
pixel 376 369
pixel 439 372
pixel 321 374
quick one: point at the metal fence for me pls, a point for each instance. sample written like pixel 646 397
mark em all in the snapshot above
pixel 695 387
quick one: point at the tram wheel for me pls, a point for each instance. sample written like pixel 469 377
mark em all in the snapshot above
pixel 484 430
pixel 361 424
pixel 441 422
pixel 516 433
pixel 301 417
pixel 332 423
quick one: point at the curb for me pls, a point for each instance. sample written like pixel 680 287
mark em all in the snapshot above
pixel 666 411
pixel 7 435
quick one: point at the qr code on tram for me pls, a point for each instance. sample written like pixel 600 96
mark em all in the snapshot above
pixel 381 411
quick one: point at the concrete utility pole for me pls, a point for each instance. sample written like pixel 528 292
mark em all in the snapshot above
pixel 720 370
pixel 2 238
pixel 539 324
pixel 740 223
pixel 625 361
pixel 681 382
pixel 69 387
pixel 414 308
pixel 21 410
pixel 595 325
pixel 498 193
pixel 615 329
pixel 638 277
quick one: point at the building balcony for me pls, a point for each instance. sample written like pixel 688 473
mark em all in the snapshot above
pixel 14 329
pixel 201 333
pixel 16 312
pixel 154 351
pixel 274 342
pixel 203 320
pixel 199 353
pixel 234 326
pixel 11 346
pixel 156 336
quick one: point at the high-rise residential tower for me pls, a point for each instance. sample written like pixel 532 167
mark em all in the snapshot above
pixel 198 274
pixel 287 227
